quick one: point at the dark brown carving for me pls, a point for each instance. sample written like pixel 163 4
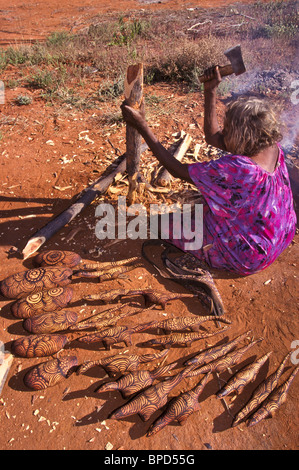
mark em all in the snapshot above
pixel 135 381
pixel 72 260
pixel 50 373
pixel 182 339
pixel 261 393
pixel 100 324
pixel 98 320
pixel 150 296
pixel 274 401
pixel 50 322
pixel 213 353
pixel 110 273
pixel 42 302
pixel 117 334
pixel 241 378
pixel 150 400
pixel 161 298
pixel 179 408
pixel 38 345
pixel 193 323
pixel 58 258
pixel 34 280
pixel 109 296
pixel 224 362
pixel 121 363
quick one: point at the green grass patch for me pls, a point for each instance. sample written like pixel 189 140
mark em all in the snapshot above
pixel 174 46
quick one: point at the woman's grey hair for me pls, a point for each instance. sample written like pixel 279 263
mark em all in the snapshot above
pixel 250 125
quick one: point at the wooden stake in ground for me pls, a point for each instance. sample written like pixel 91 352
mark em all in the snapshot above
pixel 133 97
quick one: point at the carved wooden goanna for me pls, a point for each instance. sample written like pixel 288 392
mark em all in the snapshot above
pixel 213 353
pixel 103 271
pixel 102 321
pixel 150 400
pixel 74 260
pixel 273 402
pixel 241 378
pixel 183 323
pixel 150 296
pixel 108 274
pixel 66 319
pixel 117 334
pixel 261 393
pixel 179 408
pixel 121 363
pixel 182 339
pixel 107 318
pixel 133 382
pixel 224 362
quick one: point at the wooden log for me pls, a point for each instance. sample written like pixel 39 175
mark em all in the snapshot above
pixel 164 177
pixel 133 97
pixel 97 188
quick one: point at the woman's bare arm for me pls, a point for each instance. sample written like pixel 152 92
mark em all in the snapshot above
pixel 213 134
pixel 136 119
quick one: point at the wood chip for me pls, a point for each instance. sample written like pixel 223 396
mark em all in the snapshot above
pixel 30 216
pixel 64 188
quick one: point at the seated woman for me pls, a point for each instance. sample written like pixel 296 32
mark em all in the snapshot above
pixel 248 213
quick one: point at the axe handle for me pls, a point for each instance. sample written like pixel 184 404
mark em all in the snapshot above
pixel 224 71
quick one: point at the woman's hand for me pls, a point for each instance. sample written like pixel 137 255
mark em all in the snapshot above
pixel 213 77
pixel 134 117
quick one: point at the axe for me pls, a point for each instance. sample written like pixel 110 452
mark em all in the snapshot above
pixel 236 65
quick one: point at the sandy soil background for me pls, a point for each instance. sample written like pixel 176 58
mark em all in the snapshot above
pixel 71 415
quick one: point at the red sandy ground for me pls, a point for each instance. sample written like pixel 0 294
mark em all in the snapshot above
pixel 71 415
pixel 27 21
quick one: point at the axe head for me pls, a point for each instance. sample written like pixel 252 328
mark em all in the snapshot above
pixel 234 55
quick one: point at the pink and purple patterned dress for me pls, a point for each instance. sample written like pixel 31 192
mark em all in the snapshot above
pixel 248 213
